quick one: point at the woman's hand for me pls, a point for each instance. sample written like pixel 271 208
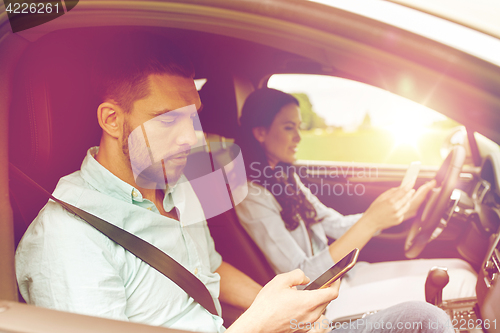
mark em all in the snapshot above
pixel 389 208
pixel 418 198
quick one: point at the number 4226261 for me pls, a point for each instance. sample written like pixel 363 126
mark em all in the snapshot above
pixel 32 8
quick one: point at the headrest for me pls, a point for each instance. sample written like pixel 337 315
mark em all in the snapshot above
pixel 53 119
pixel 219 115
pixel 53 116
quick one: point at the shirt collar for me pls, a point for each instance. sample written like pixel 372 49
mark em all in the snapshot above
pixel 107 183
pixel 170 195
pixel 104 181
pixel 178 195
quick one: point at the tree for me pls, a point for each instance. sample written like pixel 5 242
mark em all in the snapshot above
pixel 310 119
pixel 367 122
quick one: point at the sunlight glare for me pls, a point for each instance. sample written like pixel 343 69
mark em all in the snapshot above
pixel 406 135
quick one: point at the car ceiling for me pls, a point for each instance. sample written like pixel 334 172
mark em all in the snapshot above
pixel 481 15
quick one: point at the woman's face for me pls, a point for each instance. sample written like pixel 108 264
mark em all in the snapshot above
pixel 281 139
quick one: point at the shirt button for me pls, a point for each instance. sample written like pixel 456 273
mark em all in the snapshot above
pixel 195 271
pixel 135 194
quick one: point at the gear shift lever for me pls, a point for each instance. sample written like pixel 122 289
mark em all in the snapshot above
pixel 437 279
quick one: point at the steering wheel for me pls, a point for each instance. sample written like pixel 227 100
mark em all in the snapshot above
pixel 428 223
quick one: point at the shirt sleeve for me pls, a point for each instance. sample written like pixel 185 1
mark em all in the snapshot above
pixel 260 215
pixel 334 223
pixel 64 264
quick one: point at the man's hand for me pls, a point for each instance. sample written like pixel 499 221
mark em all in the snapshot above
pixel 280 307
pixel 418 198
pixel 389 208
pixel 322 325
pixel 236 288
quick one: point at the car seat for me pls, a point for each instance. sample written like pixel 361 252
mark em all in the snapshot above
pixel 52 120
pixel 219 117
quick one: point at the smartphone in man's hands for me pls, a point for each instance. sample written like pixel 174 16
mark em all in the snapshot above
pixel 335 272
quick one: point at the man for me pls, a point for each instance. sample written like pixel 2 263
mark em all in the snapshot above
pixel 134 180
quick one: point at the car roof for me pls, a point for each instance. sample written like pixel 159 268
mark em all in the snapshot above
pixel 480 15
pixel 455 33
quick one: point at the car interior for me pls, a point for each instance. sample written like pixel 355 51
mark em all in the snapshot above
pixel 52 124
pixel 57 103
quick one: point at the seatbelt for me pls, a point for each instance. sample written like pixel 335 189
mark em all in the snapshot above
pixel 143 250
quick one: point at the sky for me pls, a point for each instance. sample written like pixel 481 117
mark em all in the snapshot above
pixel 344 103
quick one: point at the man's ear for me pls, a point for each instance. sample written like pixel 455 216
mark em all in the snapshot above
pixel 110 119
pixel 259 133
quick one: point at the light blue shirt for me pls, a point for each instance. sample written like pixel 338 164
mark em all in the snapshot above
pixel 286 250
pixel 65 264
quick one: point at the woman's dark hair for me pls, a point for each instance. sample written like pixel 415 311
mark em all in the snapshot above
pixel 259 110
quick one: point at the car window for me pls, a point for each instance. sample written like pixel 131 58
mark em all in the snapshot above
pixel 346 120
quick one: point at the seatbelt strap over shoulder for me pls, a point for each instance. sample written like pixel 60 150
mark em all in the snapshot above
pixel 145 251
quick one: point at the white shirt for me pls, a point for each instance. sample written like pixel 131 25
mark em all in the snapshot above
pixel 287 250
pixel 65 264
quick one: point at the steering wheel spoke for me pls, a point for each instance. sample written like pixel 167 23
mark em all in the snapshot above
pixel 428 223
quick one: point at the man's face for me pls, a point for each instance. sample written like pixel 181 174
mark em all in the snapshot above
pixel 160 130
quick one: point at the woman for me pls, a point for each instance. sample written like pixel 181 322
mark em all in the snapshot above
pixel 291 226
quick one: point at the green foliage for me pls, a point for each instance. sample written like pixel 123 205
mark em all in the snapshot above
pixel 445 124
pixel 310 119
pixel 370 146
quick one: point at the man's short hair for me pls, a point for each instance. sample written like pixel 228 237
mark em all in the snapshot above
pixel 122 66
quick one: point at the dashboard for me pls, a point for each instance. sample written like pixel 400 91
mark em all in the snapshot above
pixel 486 226
pixel 488 288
